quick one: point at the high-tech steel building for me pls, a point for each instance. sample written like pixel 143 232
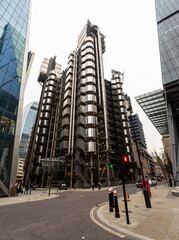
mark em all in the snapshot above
pixel 14 69
pixel 167 12
pixel 82 120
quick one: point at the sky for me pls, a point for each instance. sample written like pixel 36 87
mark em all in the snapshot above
pixel 131 45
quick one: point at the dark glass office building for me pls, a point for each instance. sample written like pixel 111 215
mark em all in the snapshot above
pixel 167 12
pixel 137 131
pixel 14 59
pixel 28 121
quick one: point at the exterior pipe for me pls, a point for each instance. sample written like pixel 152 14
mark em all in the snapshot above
pixel 71 113
pixel 74 97
pixel 104 103
pixel 97 60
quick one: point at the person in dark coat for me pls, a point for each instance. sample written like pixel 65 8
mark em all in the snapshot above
pixel 26 189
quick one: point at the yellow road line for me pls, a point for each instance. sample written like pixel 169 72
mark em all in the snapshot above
pixel 104 227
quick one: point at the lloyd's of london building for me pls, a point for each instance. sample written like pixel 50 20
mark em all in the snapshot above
pixel 15 64
pixel 81 130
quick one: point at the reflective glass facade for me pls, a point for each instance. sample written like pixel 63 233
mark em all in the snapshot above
pixel 29 116
pixel 168 31
pixel 154 106
pixel 13 30
pixel 167 12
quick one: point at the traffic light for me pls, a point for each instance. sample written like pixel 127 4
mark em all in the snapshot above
pixel 111 165
pixel 125 159
pixel 125 163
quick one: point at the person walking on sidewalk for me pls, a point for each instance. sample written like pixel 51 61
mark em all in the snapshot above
pixel 31 187
pixel 26 189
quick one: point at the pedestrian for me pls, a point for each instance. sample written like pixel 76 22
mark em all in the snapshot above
pixel 26 189
pixel 99 186
pixel 15 189
pixel 19 188
pixel 93 186
pixel 31 187
pixel 170 182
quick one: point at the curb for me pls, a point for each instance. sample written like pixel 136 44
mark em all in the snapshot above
pixel 113 229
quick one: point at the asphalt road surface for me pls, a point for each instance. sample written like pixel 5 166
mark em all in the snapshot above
pixel 66 217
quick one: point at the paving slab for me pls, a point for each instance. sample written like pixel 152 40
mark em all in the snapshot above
pixel 161 222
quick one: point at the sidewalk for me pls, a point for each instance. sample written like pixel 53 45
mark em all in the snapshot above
pixel 36 195
pixel 161 222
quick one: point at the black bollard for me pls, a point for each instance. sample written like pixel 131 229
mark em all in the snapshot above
pixel 117 214
pixel 112 198
pixel 110 201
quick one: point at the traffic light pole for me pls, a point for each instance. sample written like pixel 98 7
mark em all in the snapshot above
pixel 125 200
pixel 146 194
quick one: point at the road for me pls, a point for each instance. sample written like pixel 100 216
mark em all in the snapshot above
pixel 63 218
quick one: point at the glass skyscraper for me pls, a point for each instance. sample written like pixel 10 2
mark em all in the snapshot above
pixel 28 120
pixel 167 12
pixel 14 59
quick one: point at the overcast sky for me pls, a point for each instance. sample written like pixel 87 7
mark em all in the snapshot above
pixel 131 45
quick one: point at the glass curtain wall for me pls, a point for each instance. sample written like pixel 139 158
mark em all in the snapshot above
pixel 13 31
pixel 30 112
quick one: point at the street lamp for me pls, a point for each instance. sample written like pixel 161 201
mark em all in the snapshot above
pixel 146 194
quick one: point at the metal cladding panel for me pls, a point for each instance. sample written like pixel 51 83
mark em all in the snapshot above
pixel 87 44
pixel 90 88
pixel 88 71
pixel 90 147
pixel 66 111
pixel 45 115
pixel 40 149
pixel 90 39
pixel 90 108
pixel 48 95
pixel 68 85
pixel 46 108
pixel 82 108
pixel 49 89
pixel 51 77
pixel 64 144
pixel 51 82
pixel 90 132
pixel 42 140
pixel 65 121
pixel 88 64
pixel 91 120
pixel 65 132
pixel 48 101
pixel 67 102
pixel 44 123
pixel 90 98
pixel 81 131
pixel 67 94
pixel 87 50
pixel 52 72
pixel 43 131
pixel 82 119
pixel 87 57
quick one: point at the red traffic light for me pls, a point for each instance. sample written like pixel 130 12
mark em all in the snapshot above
pixel 154 170
pixel 125 159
